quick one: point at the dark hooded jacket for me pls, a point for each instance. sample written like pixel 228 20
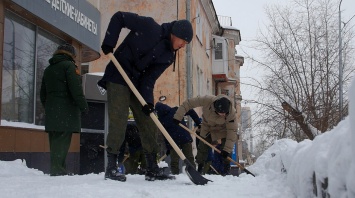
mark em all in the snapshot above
pixel 62 95
pixel 178 134
pixel 144 54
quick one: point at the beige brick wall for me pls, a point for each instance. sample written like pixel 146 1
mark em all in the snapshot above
pixel 170 84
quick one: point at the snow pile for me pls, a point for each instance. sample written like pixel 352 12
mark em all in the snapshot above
pixel 325 161
pixel 275 159
pixel 323 166
pixel 17 168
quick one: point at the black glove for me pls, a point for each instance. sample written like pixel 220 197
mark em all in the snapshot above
pixel 198 130
pixel 177 122
pixel 147 109
pixel 106 49
pixel 224 154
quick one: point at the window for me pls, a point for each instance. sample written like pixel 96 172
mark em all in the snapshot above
pixel 84 68
pixel 225 92
pixel 18 70
pixel 26 50
pixel 46 45
pixel 218 51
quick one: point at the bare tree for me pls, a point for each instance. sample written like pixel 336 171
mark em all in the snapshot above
pixel 300 61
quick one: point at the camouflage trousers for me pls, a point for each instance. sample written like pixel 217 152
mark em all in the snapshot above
pixel 175 158
pixel 119 99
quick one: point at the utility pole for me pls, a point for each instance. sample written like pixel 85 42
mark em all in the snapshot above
pixel 340 69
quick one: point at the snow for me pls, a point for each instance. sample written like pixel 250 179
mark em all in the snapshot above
pixel 19 181
pixel 284 170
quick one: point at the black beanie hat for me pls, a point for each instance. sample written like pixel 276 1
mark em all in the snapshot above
pixel 222 105
pixel 183 30
pixel 68 48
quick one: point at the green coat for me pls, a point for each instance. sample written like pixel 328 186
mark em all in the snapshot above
pixel 62 95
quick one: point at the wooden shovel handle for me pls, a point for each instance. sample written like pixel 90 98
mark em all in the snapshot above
pixel 214 148
pixel 143 102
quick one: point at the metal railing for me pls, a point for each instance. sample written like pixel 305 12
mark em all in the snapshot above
pixel 225 20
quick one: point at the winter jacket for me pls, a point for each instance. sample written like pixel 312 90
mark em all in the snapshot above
pixel 178 134
pixel 62 95
pixel 144 54
pixel 219 127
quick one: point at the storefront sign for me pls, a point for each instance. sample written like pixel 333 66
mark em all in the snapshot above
pixel 77 18
pixel 74 14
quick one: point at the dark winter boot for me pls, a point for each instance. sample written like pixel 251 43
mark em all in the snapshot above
pixel 114 171
pixel 226 169
pixel 200 168
pixel 153 171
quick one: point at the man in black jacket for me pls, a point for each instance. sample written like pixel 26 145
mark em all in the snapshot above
pixel 144 54
pixel 181 137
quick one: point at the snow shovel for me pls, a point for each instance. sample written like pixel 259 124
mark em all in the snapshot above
pixel 162 158
pixel 194 176
pixel 214 148
pixel 214 170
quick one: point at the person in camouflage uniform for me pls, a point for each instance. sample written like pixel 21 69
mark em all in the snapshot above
pixel 144 54
pixel 218 122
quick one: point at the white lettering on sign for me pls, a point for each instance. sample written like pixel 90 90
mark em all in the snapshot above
pixel 74 14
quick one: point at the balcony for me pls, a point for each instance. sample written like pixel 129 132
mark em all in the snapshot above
pixel 220 68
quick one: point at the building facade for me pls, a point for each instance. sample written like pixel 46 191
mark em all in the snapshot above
pixel 30 33
pixel 209 65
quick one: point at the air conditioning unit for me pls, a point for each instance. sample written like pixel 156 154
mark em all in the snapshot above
pixel 91 90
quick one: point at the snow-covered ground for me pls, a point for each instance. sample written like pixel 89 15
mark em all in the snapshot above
pixel 16 180
pixel 286 169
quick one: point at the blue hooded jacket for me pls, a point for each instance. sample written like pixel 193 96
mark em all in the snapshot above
pixel 144 54
pixel 179 135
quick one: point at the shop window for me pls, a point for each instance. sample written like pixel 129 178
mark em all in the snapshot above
pixel 18 70
pixel 46 45
pixel 26 51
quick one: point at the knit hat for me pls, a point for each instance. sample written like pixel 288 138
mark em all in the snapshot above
pixel 182 29
pixel 222 105
pixel 66 48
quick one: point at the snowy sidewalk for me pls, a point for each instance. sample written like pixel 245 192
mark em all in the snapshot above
pixel 16 180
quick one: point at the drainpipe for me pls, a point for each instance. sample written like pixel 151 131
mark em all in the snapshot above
pixel 188 61
pixel 188 55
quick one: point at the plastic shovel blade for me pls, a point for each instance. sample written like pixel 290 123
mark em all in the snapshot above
pixel 194 176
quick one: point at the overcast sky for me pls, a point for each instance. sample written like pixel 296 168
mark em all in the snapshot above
pixel 248 16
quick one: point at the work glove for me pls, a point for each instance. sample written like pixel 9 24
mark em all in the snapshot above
pixel 147 109
pixel 177 122
pixel 198 130
pixel 224 154
pixel 106 49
